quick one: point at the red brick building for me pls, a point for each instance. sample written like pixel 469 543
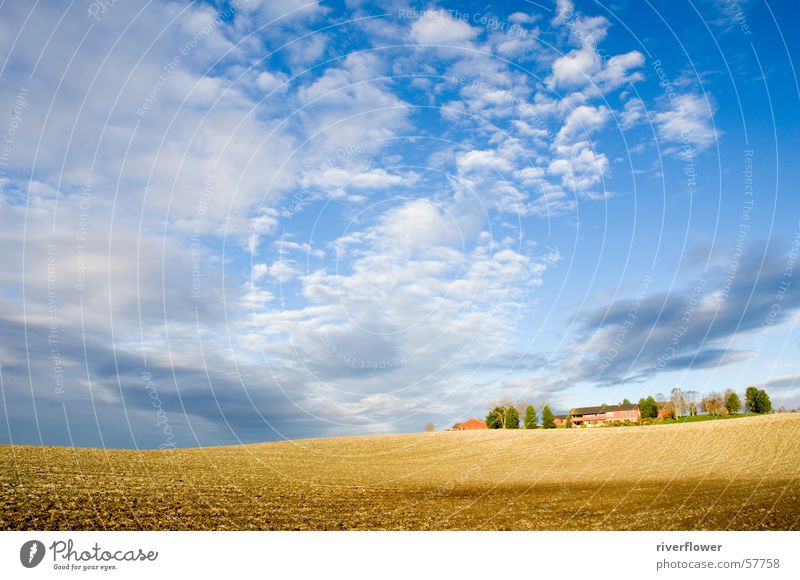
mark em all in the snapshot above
pixel 605 414
pixel 470 425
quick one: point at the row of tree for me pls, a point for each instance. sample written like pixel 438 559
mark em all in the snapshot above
pixel 681 403
pixel 506 416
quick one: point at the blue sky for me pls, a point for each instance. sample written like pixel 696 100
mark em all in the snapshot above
pixel 250 221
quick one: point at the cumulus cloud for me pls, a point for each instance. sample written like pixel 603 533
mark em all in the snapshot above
pixel 575 69
pixel 268 81
pixel 589 67
pixel 337 181
pixel 416 303
pixel 581 122
pixel 580 168
pixel 482 160
pixel 687 121
pixel 438 27
pixel 633 113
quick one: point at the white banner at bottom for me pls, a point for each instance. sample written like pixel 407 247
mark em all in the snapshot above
pixel 390 555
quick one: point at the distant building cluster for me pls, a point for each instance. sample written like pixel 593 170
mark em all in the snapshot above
pixel 602 414
pixel 680 406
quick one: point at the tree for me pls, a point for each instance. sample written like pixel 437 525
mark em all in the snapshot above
pixel 732 401
pixel 648 408
pixel 643 408
pixel 494 420
pixel 547 418
pixel 503 417
pixel 531 420
pixel 568 422
pixel 521 406
pixel 430 427
pixel 678 401
pixel 626 401
pixel 750 398
pixel 692 398
pixel 762 404
pixel 757 400
pixel 653 405
pixel 714 404
pixel 512 418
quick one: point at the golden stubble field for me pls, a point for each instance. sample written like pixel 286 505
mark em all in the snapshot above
pixel 739 474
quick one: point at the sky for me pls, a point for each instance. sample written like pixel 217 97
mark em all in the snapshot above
pixel 251 221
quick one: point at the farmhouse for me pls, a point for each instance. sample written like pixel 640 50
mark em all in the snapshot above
pixel 604 414
pixel 470 425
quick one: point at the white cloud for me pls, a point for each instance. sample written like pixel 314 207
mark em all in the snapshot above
pixel 413 287
pixel 564 10
pixel 525 47
pixel 580 168
pixel 349 106
pixel 551 202
pixel 416 226
pixel 633 113
pixel 260 271
pixel 575 69
pixel 253 297
pixel 617 70
pixel 268 81
pixel 283 270
pixel 307 51
pixel 437 27
pixel 589 66
pixel 687 121
pixel 477 160
pixel 336 180
pixel 262 12
pixel 284 246
pixel 523 18
pixel 582 122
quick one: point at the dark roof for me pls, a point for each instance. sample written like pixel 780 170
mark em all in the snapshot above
pixel 602 409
